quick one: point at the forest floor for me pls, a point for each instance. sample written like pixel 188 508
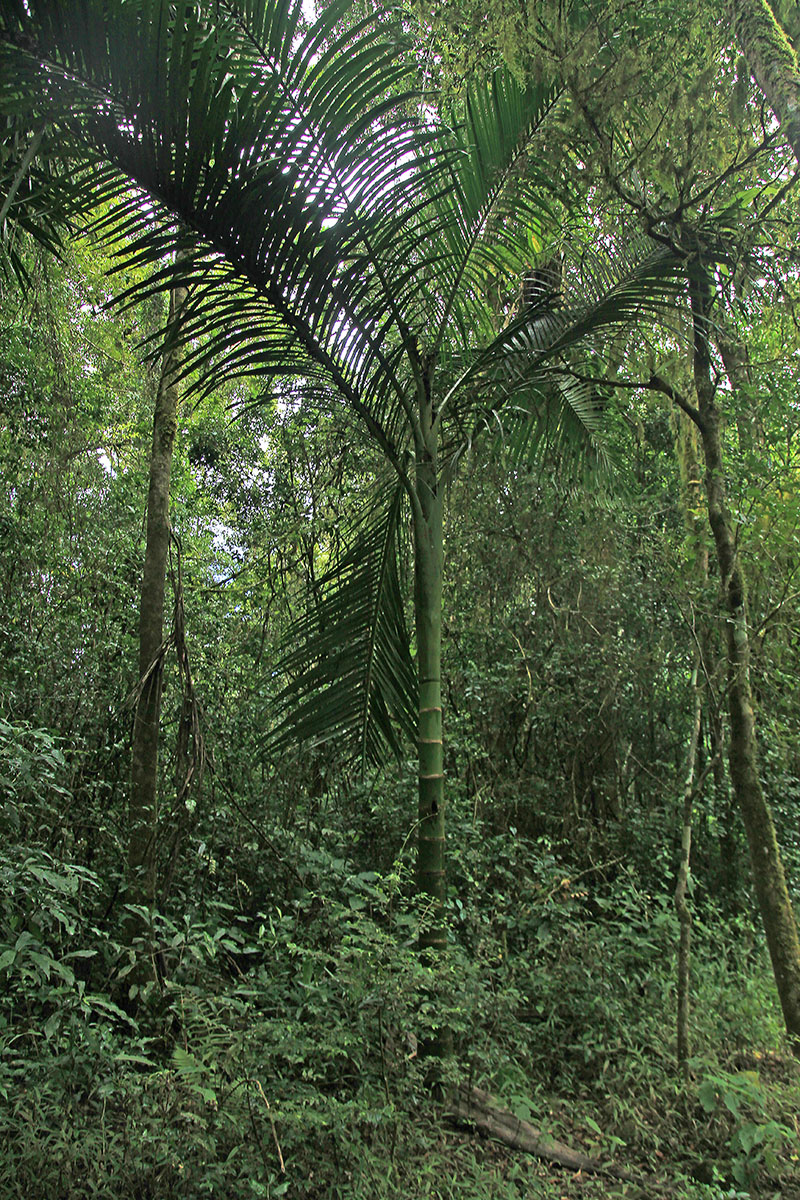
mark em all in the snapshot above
pixel 698 1156
pixel 270 1052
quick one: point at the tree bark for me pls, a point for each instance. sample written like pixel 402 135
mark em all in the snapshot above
pixel 143 806
pixel 697 533
pixel 772 63
pixel 770 882
pixel 682 886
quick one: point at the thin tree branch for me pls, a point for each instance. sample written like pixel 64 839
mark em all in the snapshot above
pixel 656 383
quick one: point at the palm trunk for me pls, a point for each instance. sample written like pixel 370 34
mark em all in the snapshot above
pixel 143 807
pixel 770 882
pixel 428 570
pixel 428 562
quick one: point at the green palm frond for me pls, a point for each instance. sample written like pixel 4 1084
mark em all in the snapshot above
pixel 517 381
pixel 286 155
pixel 481 211
pixel 627 284
pixel 272 144
pixel 33 201
pixel 351 675
pixel 561 419
pixel 494 211
pixel 329 231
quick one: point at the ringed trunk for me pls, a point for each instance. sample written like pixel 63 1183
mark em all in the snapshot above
pixel 428 565
pixel 431 878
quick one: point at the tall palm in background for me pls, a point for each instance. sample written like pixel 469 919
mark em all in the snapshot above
pixel 332 229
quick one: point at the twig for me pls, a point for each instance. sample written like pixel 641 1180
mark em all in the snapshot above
pixel 272 1125
pixel 408 838
pixel 262 837
pixel 612 862
pixel 383 1058
pixel 525 661
pixel 256 1133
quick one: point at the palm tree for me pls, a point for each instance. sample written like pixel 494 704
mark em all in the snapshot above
pixel 332 229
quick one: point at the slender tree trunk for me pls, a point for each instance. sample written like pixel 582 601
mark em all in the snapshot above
pixel 768 875
pixel 772 63
pixel 428 571
pixel 752 439
pixel 428 563
pixel 143 808
pixel 682 886
pixel 697 534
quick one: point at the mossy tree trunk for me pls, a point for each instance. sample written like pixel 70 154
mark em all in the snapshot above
pixel 687 448
pixel 771 61
pixel 143 806
pixel 682 908
pixel 768 875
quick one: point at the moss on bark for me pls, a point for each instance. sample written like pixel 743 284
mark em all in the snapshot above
pixel 769 879
pixel 771 61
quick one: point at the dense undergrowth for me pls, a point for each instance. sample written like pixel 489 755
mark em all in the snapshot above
pixel 270 1043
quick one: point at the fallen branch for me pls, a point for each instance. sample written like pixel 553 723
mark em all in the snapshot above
pixel 473 1106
